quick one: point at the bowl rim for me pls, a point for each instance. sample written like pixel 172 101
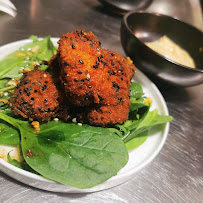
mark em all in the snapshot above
pixel 125 17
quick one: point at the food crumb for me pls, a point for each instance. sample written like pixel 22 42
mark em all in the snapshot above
pixel 148 101
pixel 36 125
pixel 6 94
pixel 56 119
pixel 80 124
pixel 5 101
pixel 11 83
pixel 74 120
pixel 26 70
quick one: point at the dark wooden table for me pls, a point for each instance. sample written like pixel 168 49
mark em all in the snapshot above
pixel 176 174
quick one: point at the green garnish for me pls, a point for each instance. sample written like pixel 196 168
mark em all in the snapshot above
pixel 74 155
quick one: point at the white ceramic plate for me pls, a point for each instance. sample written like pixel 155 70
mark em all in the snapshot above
pixel 138 158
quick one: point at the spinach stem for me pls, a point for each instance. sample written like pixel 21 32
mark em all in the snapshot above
pixel 7 88
pixel 10 120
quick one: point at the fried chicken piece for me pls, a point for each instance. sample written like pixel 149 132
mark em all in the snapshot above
pixel 91 74
pixel 36 96
pixel 108 115
pixel 93 78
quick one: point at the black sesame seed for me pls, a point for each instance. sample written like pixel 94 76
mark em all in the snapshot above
pixel 104 63
pixel 102 56
pixel 35 91
pixel 82 32
pixel 20 91
pixel 48 109
pixel 79 72
pixel 121 78
pixel 79 35
pixel 66 63
pixel 28 94
pixel 97 49
pixel 112 64
pixel 89 86
pixel 88 79
pixel 26 82
pixel 99 43
pixel 99 59
pixel 73 46
pixel 32 98
pixel 45 100
pixel 43 88
pixel 91 44
pixel 46 81
pixel 25 89
pixel 76 80
pixel 96 66
pixel 24 102
pixel 81 61
pixel 17 86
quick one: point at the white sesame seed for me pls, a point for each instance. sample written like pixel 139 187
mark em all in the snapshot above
pixel 80 124
pixel 56 119
pixel 6 94
pixel 74 120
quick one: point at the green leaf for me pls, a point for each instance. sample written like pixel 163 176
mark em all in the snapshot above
pixel 8 134
pixel 136 90
pixel 78 156
pixel 12 65
pixel 34 38
pixel 3 83
pixel 137 141
pixel 151 119
pixel 20 165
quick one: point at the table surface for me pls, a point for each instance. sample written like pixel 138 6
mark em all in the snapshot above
pixel 176 174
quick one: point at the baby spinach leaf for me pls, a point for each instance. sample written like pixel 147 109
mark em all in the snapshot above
pixel 37 51
pixel 148 121
pixel 78 156
pixel 137 141
pixel 3 83
pixel 8 134
pixel 136 90
pixel 18 164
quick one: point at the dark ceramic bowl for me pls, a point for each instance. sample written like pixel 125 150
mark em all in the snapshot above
pixel 138 28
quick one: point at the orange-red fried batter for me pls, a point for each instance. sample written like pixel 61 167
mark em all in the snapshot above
pixel 36 96
pixel 93 77
pixel 89 84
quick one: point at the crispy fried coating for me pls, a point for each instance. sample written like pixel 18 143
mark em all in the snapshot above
pixel 108 115
pixel 91 74
pixel 94 78
pixel 36 96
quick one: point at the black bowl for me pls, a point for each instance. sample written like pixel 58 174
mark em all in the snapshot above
pixel 138 28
